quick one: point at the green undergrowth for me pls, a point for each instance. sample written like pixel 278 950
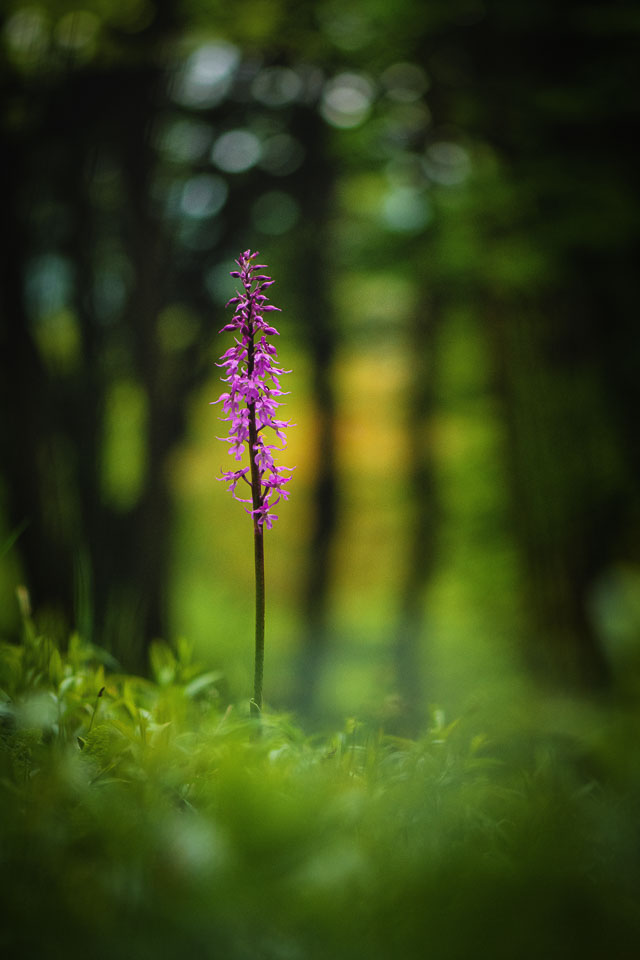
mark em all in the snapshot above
pixel 149 819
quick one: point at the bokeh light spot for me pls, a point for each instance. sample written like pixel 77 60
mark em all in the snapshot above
pixel 347 99
pixel 27 32
pixel 345 26
pixel 77 31
pixel 406 170
pixel 132 16
pixel 447 163
pixel 282 154
pixel 217 282
pixel 50 284
pixel 276 86
pixel 186 140
pixel 405 210
pixel 203 196
pixel 405 82
pixel 207 75
pixel 236 151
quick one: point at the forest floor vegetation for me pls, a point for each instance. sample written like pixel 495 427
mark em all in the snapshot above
pixel 145 818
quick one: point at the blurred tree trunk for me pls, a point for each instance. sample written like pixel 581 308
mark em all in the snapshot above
pixel 80 551
pixel 563 500
pixel 565 196
pixel 33 449
pixel 567 365
pixel 313 270
pixel 424 516
pixel 132 575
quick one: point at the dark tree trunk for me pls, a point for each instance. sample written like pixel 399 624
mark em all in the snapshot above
pixel 86 560
pixel 563 340
pixel 314 248
pixel 424 519
pixel 561 508
pixel 34 449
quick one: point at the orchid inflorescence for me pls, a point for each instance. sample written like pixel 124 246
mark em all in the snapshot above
pixel 252 400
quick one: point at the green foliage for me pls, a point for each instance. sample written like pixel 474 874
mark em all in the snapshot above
pixel 150 819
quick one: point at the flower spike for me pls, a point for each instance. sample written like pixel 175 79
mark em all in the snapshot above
pixel 253 393
pixel 250 403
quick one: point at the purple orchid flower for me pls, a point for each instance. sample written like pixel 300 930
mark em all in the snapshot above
pixel 250 406
pixel 254 392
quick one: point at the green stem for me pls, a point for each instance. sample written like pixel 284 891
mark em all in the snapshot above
pixel 256 705
pixel 258 542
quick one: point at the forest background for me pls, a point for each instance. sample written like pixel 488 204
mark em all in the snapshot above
pixel 447 197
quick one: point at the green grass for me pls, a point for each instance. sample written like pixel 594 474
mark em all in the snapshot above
pixel 150 818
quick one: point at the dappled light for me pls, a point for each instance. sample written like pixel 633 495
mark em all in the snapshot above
pixel 206 77
pixel 203 196
pixel 447 163
pixel 26 33
pixel 439 757
pixel 406 209
pixel 49 285
pixel 346 100
pixel 236 151
pixel 281 155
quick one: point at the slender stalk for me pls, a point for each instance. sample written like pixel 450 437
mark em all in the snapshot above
pixel 258 536
pixel 253 375
pixel 258 542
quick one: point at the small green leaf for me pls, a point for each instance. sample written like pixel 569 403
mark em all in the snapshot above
pixel 204 682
